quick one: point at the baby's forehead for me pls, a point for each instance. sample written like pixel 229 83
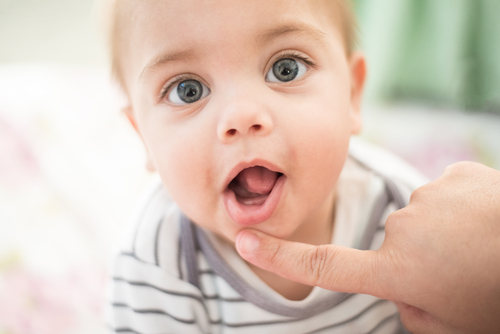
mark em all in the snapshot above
pixel 147 26
pixel 177 16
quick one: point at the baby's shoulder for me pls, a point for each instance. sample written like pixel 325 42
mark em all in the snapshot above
pixel 386 164
pixel 146 274
pixel 152 234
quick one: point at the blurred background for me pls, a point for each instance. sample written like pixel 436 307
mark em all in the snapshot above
pixel 71 167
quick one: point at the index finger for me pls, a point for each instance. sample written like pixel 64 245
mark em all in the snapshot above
pixel 328 266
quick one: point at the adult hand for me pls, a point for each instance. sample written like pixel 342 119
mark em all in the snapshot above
pixel 440 260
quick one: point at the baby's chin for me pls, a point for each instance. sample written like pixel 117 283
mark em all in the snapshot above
pixel 279 233
pixel 227 230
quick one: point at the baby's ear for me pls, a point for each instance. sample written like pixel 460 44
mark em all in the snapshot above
pixel 127 110
pixel 357 64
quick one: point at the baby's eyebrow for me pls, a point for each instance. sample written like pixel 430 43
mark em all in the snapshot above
pixel 165 58
pixel 289 28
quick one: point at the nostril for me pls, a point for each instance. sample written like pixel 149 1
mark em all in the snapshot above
pixel 253 128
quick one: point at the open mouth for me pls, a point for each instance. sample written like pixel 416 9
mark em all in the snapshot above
pixel 252 196
pixel 253 185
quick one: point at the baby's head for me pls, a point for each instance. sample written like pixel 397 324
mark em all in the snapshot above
pixel 245 107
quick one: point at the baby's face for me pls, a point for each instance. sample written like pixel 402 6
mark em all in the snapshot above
pixel 245 108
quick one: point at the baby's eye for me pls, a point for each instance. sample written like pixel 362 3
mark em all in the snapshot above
pixel 188 91
pixel 285 70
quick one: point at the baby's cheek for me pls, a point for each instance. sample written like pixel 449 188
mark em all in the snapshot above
pixel 186 171
pixel 322 148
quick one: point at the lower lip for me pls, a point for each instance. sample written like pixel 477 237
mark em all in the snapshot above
pixel 248 215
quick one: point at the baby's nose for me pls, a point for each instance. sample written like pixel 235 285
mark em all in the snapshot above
pixel 244 118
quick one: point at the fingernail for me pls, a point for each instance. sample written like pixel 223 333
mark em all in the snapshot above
pixel 247 242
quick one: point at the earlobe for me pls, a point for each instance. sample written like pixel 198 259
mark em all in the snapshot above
pixel 150 166
pixel 358 77
pixel 356 122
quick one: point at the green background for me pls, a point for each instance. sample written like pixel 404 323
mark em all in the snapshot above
pixel 440 52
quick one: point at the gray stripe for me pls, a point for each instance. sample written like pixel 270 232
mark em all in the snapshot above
pixel 391 194
pixel 279 322
pixel 373 223
pixel 201 298
pixel 155 311
pixel 124 330
pixel 383 322
pixel 135 257
pixel 206 272
pixel 189 247
pixel 225 299
pixel 394 192
pixel 179 257
pixel 389 184
pixel 157 239
pixel 354 317
pixel 168 292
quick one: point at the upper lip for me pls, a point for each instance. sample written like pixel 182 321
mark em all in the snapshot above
pixel 246 164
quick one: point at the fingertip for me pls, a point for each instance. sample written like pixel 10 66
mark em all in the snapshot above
pixel 246 242
pixel 237 241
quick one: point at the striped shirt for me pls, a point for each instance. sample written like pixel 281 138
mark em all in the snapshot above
pixel 170 276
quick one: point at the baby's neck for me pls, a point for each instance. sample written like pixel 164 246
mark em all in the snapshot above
pixel 319 232
pixel 289 289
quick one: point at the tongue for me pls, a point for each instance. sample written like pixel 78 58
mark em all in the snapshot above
pixel 259 180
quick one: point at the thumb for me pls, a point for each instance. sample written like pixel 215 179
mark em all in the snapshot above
pixel 328 266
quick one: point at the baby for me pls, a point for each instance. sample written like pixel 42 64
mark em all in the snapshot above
pixel 246 109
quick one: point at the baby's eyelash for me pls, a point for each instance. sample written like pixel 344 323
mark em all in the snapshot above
pixel 296 55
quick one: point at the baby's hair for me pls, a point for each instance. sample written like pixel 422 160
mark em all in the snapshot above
pixel 349 24
pixel 114 16
pixel 111 16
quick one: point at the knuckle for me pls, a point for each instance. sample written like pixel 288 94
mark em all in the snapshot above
pixel 456 166
pixel 391 221
pixel 415 195
pixel 421 194
pixel 395 219
pixel 318 263
pixel 275 253
pixel 461 168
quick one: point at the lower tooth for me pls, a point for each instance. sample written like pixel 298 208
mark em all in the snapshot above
pixel 254 201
